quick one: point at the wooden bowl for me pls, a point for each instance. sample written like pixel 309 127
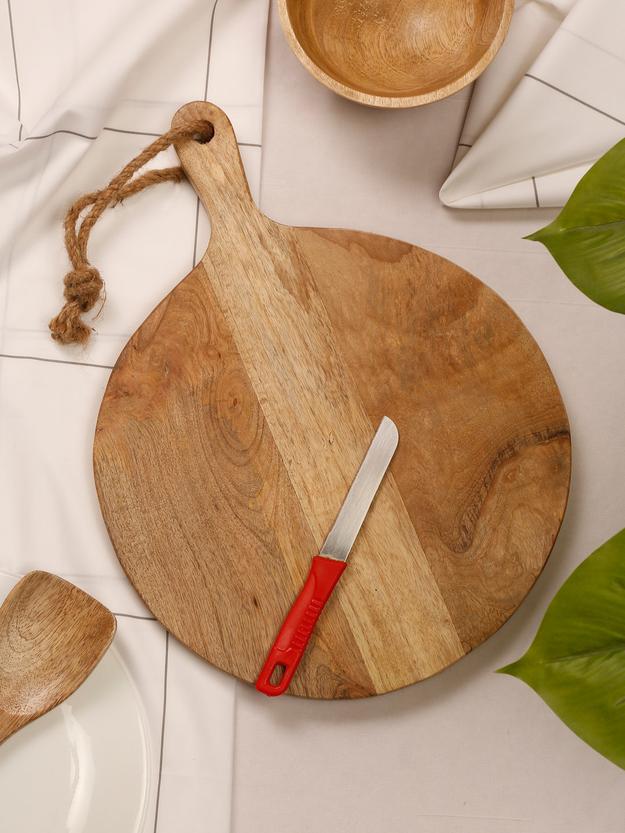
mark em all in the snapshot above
pixel 395 53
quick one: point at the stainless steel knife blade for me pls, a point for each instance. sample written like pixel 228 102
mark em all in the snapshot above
pixel 327 567
pixel 362 491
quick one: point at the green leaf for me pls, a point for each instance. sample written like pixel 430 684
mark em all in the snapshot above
pixel 587 239
pixel 577 660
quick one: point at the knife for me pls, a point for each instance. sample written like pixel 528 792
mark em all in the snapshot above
pixel 328 566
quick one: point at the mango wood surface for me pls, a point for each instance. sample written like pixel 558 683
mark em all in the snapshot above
pixel 239 412
pixel 52 635
pixel 395 53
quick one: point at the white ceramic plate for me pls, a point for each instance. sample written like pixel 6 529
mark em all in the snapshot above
pixel 83 767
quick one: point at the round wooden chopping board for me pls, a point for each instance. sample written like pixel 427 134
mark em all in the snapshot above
pixel 239 412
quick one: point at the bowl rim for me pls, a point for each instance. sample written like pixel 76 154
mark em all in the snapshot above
pixel 373 100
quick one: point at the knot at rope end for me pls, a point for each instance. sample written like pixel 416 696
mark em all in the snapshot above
pixel 68 327
pixel 83 286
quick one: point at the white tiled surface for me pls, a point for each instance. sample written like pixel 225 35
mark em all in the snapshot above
pixel 83 88
pixel 116 85
pixel 468 751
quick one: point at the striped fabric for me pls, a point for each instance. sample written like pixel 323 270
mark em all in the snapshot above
pixel 83 87
pixel 550 105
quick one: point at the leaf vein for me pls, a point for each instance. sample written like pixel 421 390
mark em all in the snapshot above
pixel 607 649
pixel 573 229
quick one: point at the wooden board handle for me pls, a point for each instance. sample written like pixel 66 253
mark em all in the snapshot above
pixel 291 642
pixel 215 169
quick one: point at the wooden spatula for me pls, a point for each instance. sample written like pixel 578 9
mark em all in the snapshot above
pixel 52 635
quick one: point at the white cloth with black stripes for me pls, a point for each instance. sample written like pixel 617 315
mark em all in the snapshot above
pixel 83 88
pixel 551 103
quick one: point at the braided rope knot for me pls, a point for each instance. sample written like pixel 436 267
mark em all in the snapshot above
pixel 83 284
pixel 83 287
pixel 68 328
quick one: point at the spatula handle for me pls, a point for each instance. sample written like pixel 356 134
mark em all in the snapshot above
pixel 291 642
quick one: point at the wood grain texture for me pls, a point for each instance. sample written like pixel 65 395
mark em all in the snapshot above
pixel 52 635
pixel 395 53
pixel 239 412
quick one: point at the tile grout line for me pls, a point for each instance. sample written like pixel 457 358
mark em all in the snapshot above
pixel 133 132
pixel 114 130
pixel 573 98
pixel 91 138
pixel 160 763
pixel 235 705
pixel 596 46
pixel 135 616
pixel 535 192
pixel 210 49
pixel 61 130
pixel 55 361
pixel 208 64
pixel 17 77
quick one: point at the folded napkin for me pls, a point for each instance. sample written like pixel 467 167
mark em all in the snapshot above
pixel 83 88
pixel 551 103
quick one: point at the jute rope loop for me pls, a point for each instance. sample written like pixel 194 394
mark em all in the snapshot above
pixel 84 286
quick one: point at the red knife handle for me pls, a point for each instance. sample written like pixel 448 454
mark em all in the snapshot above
pixel 291 642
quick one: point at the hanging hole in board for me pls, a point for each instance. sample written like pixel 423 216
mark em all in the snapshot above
pixel 205 135
pixel 277 674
